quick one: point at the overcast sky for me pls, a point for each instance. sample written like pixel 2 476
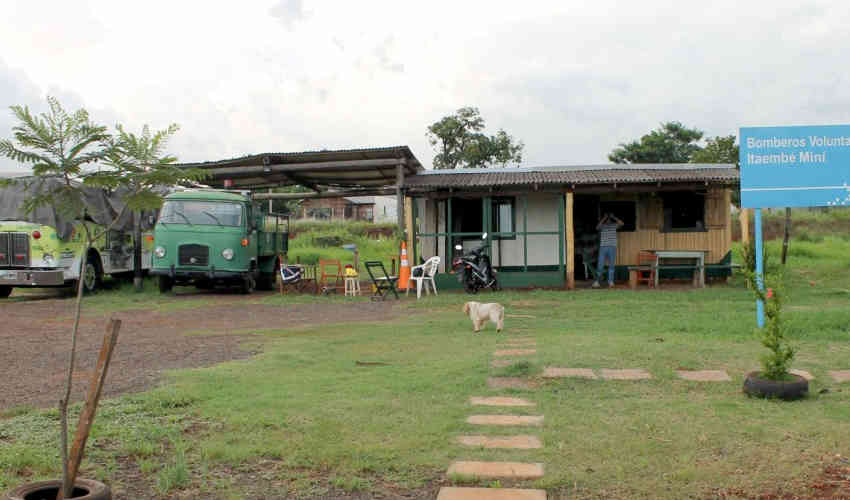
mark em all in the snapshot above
pixel 571 79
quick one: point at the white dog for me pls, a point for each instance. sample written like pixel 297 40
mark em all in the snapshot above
pixel 479 313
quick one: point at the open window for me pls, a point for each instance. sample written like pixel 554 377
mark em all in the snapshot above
pixel 504 218
pixel 684 211
pixel 623 210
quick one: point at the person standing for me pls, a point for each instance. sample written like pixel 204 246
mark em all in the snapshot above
pixel 607 228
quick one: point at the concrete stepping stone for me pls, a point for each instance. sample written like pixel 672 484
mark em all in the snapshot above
pixel 456 493
pixel 840 375
pixel 499 401
pixel 628 374
pixel 509 383
pixel 704 375
pixel 496 470
pixel 803 373
pixel 514 352
pixel 501 363
pixel 508 442
pixel 555 372
pixel 526 420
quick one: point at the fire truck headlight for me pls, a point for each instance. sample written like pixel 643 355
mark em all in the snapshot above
pixel 227 253
pixel 159 252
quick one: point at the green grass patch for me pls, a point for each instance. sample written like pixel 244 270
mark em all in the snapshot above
pixel 305 404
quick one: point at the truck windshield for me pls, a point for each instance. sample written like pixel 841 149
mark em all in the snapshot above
pixel 208 213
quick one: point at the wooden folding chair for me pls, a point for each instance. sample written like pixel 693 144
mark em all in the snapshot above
pixel 647 261
pixel 331 277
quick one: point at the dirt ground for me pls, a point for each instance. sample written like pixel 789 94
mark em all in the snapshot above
pixel 35 340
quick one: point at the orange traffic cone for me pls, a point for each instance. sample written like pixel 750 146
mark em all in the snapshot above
pixel 404 268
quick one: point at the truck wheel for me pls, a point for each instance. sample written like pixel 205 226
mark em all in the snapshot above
pixel 165 284
pixel 93 277
pixel 248 285
pixel 5 291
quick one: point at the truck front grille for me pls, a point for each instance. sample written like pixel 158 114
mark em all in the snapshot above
pixel 193 255
pixel 14 249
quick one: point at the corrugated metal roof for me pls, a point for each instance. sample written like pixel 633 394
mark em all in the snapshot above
pixel 366 168
pixel 577 174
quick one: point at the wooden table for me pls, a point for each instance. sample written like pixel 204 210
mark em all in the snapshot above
pixel 699 255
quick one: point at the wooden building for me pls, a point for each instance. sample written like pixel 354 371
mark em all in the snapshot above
pixel 541 222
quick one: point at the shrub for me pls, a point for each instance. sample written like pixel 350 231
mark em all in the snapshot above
pixel 776 363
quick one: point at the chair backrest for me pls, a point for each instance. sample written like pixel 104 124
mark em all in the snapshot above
pixel 430 267
pixel 645 257
pixel 376 269
pixel 330 263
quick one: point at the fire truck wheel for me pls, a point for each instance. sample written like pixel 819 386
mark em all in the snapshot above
pixel 5 291
pixel 93 278
pixel 165 284
pixel 266 281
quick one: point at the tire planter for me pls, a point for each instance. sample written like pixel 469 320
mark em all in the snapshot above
pixel 787 390
pixel 84 489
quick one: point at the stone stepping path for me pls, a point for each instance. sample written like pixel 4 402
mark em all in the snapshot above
pixel 527 420
pixel 704 375
pixel 499 401
pixel 514 352
pixel 455 493
pixel 840 375
pixel 627 374
pixel 497 470
pixel 509 383
pixel 507 442
pixel 555 372
pixel 510 346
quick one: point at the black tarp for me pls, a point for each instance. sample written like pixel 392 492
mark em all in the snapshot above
pixel 101 207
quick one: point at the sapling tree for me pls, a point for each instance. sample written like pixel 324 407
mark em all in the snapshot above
pixel 777 362
pixel 57 145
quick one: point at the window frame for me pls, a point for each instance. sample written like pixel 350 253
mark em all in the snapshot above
pixel 495 203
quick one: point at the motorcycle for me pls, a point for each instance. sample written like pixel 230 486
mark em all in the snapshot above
pixel 474 270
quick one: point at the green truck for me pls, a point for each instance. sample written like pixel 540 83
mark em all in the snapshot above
pixel 208 238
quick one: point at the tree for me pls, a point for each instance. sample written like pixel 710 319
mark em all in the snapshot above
pixel 58 145
pixel 720 150
pixel 138 167
pixel 672 142
pixel 461 143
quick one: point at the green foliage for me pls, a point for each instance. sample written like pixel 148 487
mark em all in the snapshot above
pixel 56 144
pixel 323 240
pixel 461 143
pixel 672 142
pixel 777 362
pixel 748 251
pixel 139 167
pixel 174 475
pixel 717 150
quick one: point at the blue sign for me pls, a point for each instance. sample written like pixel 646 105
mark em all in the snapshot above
pixel 795 166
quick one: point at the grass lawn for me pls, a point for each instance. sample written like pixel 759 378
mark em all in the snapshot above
pixel 302 419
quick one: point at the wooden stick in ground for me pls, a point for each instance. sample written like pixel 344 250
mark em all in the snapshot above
pixel 110 338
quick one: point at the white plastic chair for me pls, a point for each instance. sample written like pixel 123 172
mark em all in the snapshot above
pixel 429 269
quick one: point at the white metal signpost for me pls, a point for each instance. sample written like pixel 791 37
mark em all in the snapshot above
pixel 801 166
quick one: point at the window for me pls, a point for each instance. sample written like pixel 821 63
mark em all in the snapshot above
pixel 504 218
pixel 684 211
pixel 205 213
pixel 348 212
pixel 319 213
pixel 623 210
